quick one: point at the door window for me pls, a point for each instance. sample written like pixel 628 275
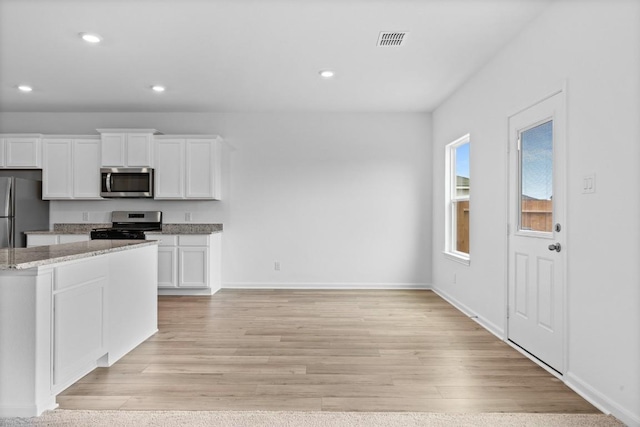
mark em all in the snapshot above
pixel 536 178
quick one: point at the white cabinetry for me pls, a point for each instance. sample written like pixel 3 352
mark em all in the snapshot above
pixel 20 151
pixel 71 167
pixel 61 320
pixel 188 264
pixel 127 147
pixel 78 319
pixel 54 239
pixel 188 167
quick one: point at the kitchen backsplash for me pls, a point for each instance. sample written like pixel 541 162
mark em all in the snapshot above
pixel 176 212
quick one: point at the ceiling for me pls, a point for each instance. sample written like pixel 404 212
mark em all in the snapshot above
pixel 247 55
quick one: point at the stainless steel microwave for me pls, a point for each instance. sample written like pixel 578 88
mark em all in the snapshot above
pixel 127 182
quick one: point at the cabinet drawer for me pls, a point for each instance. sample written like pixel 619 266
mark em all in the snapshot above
pixel 193 240
pixel 41 240
pixel 73 238
pixel 164 239
pixel 79 273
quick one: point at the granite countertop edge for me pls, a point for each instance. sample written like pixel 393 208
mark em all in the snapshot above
pixel 85 228
pixel 33 257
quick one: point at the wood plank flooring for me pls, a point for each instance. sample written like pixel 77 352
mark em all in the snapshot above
pixel 321 351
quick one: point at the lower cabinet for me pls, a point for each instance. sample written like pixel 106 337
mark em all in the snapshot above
pixel 79 302
pixel 61 320
pixel 188 264
pixel 54 239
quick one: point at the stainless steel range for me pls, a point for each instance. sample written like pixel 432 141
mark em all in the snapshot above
pixel 129 225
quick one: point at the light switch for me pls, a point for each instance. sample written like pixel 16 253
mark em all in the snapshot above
pixel 589 183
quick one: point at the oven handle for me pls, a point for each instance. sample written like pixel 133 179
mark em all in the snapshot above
pixel 108 182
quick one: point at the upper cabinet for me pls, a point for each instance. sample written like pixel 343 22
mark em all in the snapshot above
pixel 71 167
pixel 127 147
pixel 20 151
pixel 188 167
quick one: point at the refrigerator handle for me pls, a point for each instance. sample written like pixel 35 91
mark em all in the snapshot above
pixel 5 199
pixel 6 239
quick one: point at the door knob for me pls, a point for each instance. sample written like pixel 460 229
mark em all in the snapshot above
pixel 555 247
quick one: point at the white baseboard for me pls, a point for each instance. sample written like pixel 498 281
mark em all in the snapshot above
pixel 26 411
pixel 314 285
pixel 170 291
pixel 589 393
pixel 489 326
pixel 600 401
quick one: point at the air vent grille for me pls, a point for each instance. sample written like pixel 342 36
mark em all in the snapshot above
pixel 395 38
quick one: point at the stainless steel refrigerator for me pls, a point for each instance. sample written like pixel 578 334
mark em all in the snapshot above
pixel 21 209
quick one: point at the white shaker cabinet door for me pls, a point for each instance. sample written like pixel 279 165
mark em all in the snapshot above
pixel 167 267
pixel 139 150
pixel 57 170
pixel 113 149
pixel 193 267
pixel 169 169
pixel 203 169
pixel 22 152
pixel 86 169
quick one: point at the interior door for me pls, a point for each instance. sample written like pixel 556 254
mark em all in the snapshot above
pixel 536 229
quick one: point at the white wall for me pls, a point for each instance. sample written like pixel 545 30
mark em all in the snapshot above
pixel 595 47
pixel 338 199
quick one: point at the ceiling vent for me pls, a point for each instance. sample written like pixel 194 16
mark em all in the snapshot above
pixel 389 38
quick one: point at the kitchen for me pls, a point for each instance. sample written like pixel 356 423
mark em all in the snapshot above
pixel 77 267
pixel 310 166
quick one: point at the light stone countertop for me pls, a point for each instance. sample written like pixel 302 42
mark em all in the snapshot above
pixel 82 228
pixel 85 228
pixel 24 258
pixel 188 229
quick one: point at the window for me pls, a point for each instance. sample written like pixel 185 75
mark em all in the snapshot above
pixel 458 181
pixel 535 146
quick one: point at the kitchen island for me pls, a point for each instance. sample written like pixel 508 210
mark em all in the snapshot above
pixel 189 255
pixel 66 309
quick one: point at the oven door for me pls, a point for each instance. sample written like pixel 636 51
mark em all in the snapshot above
pixel 127 182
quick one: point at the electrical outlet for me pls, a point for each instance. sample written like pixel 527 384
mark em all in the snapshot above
pixel 276 266
pixel 85 216
pixel 187 216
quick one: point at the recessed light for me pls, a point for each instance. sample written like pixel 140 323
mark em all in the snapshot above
pixel 158 88
pixel 25 88
pixel 91 37
pixel 327 74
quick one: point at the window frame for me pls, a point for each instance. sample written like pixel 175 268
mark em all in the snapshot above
pixel 452 199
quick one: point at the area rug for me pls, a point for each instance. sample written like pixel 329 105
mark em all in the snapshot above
pixel 304 419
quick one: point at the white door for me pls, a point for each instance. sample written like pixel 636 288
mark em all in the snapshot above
pixel 536 230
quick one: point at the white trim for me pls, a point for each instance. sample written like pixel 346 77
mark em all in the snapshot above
pixel 586 391
pixel 600 401
pixel 318 285
pixel 489 326
pixel 24 411
pixel 458 257
pixel 187 291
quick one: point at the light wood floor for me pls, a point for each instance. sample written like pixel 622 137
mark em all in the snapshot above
pixel 321 351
